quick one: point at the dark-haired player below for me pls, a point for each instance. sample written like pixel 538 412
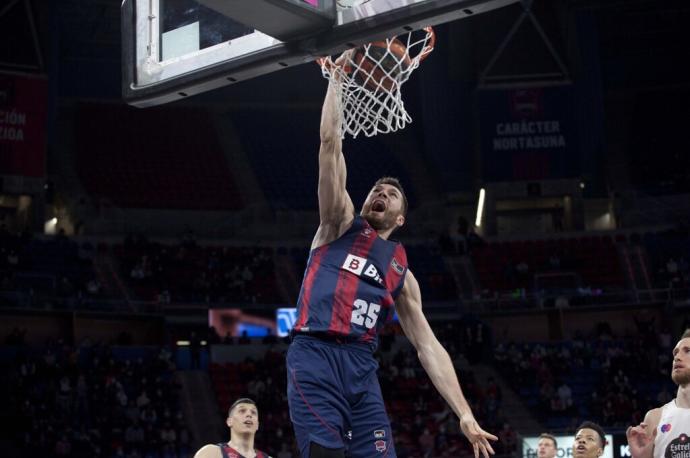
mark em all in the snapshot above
pixel 355 276
pixel 243 421
pixel 590 441
pixel 665 431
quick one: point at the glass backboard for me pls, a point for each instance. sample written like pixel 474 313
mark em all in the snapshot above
pixel 174 49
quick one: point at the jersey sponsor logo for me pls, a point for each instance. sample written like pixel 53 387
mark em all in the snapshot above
pixel 665 428
pixel 397 266
pixel 380 446
pixel 357 264
pixel 380 433
pixel 679 447
pixel 354 264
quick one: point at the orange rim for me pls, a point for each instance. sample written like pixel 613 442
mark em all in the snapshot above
pixel 429 46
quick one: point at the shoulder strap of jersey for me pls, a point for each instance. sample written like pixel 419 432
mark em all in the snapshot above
pixel 222 449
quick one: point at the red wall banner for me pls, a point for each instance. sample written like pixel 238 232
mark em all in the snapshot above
pixel 23 110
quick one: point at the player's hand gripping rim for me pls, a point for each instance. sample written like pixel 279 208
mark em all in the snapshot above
pixel 477 437
pixel 341 65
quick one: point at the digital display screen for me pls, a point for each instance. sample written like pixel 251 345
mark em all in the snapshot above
pixel 234 322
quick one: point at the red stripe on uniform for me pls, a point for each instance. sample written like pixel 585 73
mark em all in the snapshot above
pixel 348 282
pixel 392 280
pixel 314 265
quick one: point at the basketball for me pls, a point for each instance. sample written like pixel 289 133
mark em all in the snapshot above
pixel 380 64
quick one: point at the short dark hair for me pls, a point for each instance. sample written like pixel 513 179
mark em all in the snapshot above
pixel 396 183
pixel 549 436
pixel 595 427
pixel 240 401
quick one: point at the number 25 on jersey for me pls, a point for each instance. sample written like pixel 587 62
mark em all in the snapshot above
pixel 365 313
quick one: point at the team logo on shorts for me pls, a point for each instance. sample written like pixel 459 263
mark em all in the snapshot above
pixel 380 433
pixel 380 446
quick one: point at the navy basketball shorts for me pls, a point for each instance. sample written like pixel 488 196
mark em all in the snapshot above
pixel 335 398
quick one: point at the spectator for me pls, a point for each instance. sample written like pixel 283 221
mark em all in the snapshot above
pixel 565 394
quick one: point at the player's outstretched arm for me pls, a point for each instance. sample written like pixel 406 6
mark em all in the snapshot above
pixel 208 451
pixel 641 437
pixel 438 365
pixel 336 211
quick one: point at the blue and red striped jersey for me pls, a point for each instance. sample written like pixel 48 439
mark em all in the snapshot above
pixel 350 285
pixel 229 452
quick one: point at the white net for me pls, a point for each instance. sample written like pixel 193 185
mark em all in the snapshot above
pixel 369 78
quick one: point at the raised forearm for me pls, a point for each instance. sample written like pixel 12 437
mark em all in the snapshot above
pixel 331 121
pixel 438 365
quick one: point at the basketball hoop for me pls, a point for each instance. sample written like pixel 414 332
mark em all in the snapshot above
pixel 368 81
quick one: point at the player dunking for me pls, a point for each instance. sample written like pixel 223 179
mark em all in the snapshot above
pixel 665 431
pixel 243 421
pixel 354 277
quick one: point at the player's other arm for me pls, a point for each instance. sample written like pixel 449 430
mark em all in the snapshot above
pixel 336 211
pixel 208 451
pixel 641 437
pixel 437 363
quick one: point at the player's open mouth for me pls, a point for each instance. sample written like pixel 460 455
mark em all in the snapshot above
pixel 249 423
pixel 378 206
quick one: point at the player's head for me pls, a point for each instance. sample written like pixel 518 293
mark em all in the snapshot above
pixel 680 373
pixel 386 205
pixel 547 446
pixel 590 441
pixel 243 417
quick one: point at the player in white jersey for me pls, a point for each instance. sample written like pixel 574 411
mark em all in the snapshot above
pixel 665 431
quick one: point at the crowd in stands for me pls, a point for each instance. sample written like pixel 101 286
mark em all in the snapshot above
pixel 60 272
pixel 122 401
pixel 669 256
pixel 613 380
pixel 609 379
pixel 188 272
pixel 54 272
pixel 91 400
pixel 542 264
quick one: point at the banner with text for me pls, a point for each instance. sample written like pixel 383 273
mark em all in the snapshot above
pixel 528 134
pixel 616 446
pixel 23 110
